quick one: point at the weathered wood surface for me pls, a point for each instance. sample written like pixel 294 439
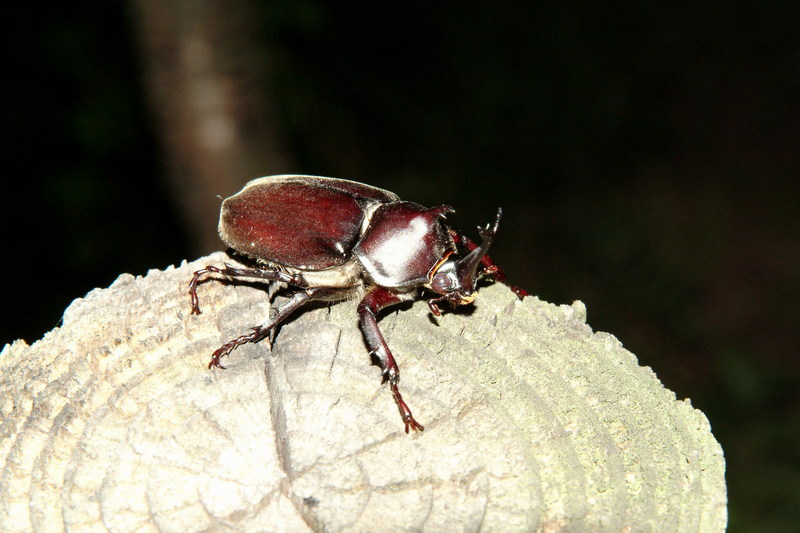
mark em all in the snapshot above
pixel 533 422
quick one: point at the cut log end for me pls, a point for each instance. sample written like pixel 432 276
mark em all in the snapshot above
pixel 532 421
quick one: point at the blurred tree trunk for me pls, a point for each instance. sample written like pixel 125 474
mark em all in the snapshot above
pixel 206 71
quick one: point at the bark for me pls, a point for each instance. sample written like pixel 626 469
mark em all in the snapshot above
pixel 207 71
pixel 533 421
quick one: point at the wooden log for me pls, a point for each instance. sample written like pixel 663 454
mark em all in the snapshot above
pixel 533 421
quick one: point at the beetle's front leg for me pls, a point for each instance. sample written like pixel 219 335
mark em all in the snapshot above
pixel 368 309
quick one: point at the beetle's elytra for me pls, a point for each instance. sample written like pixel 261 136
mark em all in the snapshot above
pixel 332 239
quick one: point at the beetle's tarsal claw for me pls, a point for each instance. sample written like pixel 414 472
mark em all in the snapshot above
pixel 214 363
pixel 405 412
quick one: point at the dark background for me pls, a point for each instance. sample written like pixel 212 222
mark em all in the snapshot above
pixel 645 156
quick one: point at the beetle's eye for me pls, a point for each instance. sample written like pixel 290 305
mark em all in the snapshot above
pixel 440 283
pixel 445 282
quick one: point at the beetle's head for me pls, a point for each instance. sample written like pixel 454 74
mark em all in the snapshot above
pixel 455 279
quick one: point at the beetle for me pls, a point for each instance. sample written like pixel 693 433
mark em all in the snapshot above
pixel 333 239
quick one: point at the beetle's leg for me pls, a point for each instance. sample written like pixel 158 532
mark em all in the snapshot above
pixel 232 272
pixel 368 309
pixel 260 332
pixel 489 266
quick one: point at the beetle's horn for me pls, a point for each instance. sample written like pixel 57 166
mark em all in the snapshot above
pixel 468 267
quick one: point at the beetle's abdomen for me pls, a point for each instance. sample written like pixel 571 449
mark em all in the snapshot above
pixel 403 242
pixel 292 223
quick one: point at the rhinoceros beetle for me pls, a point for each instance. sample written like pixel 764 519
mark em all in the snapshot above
pixel 332 239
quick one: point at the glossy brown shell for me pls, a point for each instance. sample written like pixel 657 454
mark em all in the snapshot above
pixel 304 222
pixel 403 243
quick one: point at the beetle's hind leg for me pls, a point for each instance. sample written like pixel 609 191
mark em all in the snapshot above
pixel 282 312
pixel 269 274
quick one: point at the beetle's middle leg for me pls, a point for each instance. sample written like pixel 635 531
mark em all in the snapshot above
pixel 368 309
pixel 297 300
